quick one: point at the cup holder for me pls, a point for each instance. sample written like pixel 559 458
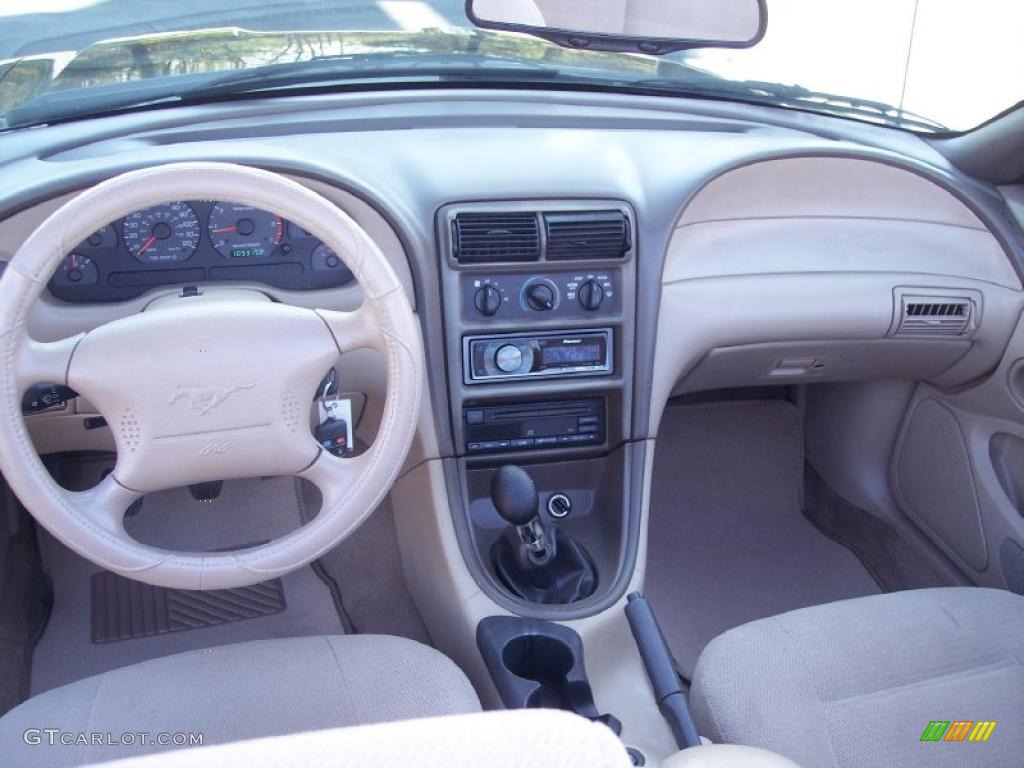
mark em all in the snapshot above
pixel 546 661
pixel 538 664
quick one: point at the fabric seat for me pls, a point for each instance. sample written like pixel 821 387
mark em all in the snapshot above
pixel 507 738
pixel 857 682
pixel 243 691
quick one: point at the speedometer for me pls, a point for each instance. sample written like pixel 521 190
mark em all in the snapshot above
pixel 162 233
pixel 243 232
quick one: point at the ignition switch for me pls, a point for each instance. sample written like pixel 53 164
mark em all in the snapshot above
pixel 334 424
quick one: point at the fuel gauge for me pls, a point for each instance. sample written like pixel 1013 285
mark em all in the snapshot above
pixel 77 269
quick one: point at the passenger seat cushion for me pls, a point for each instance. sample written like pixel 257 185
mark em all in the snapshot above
pixel 244 691
pixel 856 682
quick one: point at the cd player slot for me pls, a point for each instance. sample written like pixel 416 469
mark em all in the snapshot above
pixel 533 426
pixel 540 412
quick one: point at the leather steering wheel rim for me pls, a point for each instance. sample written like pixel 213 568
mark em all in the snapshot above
pixel 260 379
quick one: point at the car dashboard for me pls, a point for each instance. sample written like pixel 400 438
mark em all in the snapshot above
pixel 575 260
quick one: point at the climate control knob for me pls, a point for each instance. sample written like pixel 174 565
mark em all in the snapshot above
pixel 487 300
pixel 508 358
pixel 591 295
pixel 540 296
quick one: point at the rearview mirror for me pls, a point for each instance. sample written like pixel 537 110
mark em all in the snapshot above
pixel 636 26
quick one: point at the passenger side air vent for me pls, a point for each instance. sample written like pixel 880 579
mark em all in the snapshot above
pixel 587 235
pixel 479 238
pixel 935 316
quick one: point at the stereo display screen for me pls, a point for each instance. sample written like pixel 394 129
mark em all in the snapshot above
pixel 572 354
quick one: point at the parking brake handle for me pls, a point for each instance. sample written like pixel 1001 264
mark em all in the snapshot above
pixel 654 651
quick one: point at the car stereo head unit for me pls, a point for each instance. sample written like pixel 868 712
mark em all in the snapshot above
pixel 583 353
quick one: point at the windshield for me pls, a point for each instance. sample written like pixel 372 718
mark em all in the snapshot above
pixel 924 65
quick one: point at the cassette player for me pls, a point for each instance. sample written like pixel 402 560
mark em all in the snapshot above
pixel 534 426
pixel 514 356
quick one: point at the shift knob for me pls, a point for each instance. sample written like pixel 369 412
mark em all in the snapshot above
pixel 514 495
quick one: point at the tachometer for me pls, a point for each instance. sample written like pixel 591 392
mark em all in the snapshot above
pixel 162 233
pixel 243 232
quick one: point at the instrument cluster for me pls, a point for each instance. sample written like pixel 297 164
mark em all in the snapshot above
pixel 192 242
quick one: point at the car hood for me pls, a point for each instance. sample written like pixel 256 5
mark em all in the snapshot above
pixel 206 51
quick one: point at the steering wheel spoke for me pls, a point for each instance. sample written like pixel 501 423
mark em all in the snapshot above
pixel 45 362
pixel 358 329
pixel 334 476
pixel 105 504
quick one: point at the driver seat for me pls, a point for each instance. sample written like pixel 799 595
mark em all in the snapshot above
pixel 235 692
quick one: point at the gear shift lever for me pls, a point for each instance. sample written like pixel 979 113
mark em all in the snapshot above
pixel 514 495
pixel 537 562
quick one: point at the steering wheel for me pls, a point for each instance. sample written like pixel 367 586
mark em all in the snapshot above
pixel 207 389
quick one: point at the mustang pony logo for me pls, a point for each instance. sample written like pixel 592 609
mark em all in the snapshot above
pixel 202 400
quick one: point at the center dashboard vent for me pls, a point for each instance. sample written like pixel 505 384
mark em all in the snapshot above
pixel 479 238
pixel 935 316
pixel 496 236
pixel 587 235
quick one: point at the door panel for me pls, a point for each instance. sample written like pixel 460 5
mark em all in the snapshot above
pixel 958 471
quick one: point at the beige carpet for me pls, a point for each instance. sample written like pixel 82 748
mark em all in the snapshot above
pixel 728 540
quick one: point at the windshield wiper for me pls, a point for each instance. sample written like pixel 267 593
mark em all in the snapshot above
pixel 795 96
pixel 360 70
pixel 324 69
pixel 318 72
pixel 888 114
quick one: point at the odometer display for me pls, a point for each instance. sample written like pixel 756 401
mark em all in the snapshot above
pixel 163 233
pixel 248 253
pixel 243 232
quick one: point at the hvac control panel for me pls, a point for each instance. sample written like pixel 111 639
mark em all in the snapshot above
pixel 585 294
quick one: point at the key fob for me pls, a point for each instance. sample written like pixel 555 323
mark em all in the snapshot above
pixel 333 436
pixel 339 409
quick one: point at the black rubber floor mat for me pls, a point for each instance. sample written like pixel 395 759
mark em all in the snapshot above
pixel 889 558
pixel 123 609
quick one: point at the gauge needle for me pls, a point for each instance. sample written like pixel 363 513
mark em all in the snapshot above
pixel 227 229
pixel 145 245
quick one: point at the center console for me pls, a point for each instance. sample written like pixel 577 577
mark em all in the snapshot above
pixel 539 313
